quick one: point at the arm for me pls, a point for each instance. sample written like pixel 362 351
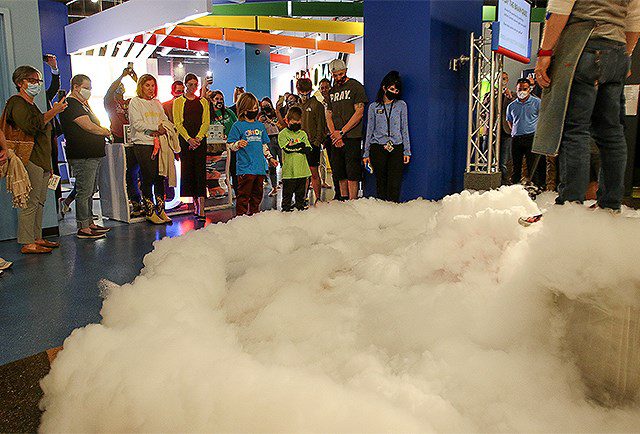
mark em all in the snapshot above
pixel 85 123
pixel 54 86
pixel 371 124
pixel 234 141
pixel 556 22
pixel 206 118
pixel 317 132
pixel 137 118
pixel 356 118
pixel 178 118
pixel 632 24
pixel 109 96
pixel 329 118
pixel 24 119
pixel 404 126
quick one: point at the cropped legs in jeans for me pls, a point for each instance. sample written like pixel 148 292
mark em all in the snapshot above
pixel 594 107
pixel 85 171
pixel 30 218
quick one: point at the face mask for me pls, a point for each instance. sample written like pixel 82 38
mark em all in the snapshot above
pixel 34 89
pixel 219 105
pixel 251 115
pixel 523 94
pixel 85 93
pixel 305 96
pixel 391 95
pixel 342 80
pixel 295 127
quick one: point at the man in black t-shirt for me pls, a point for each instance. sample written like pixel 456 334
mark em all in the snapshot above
pixel 345 109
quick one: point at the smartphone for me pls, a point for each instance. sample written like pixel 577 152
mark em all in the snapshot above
pixel 45 57
pixel 61 94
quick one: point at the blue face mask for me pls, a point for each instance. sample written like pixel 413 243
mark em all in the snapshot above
pixel 34 89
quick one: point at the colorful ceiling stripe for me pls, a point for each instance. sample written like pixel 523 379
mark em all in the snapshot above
pixel 293 8
pixel 276 23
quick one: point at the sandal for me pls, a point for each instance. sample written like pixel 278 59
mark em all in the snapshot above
pixel 34 249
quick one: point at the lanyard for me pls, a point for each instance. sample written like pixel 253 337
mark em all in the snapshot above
pixel 388 116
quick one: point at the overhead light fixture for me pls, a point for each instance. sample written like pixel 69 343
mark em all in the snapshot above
pixel 318 38
pixel 290 50
pixel 94 1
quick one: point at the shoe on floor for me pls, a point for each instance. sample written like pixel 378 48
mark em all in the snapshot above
pixel 528 221
pixel 49 244
pixel 155 219
pixel 93 235
pixel 98 228
pixel 5 265
pixel 164 217
pixel 34 249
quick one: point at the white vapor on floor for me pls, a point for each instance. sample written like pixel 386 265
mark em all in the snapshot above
pixel 356 317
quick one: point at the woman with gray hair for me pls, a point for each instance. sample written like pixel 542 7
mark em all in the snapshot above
pixel 22 114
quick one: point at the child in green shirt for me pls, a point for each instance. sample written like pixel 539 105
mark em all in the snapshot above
pixel 295 168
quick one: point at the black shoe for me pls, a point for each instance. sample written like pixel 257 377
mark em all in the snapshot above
pixel 93 235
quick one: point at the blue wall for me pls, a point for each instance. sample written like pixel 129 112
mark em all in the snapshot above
pixel 244 68
pixel 226 76
pixel 258 68
pixel 53 18
pixel 425 35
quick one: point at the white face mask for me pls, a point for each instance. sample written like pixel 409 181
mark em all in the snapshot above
pixel 85 93
pixel 34 89
pixel 523 94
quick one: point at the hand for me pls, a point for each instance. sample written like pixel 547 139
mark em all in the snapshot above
pixel 242 144
pixel 541 71
pixel 508 93
pixel 280 103
pixel 60 106
pixel 193 143
pixel 3 156
pixel 336 136
pixel 406 159
pixel 273 162
pixel 338 143
pixel 366 161
pixel 52 61
pixel 161 130
pixel 106 132
pixel 126 71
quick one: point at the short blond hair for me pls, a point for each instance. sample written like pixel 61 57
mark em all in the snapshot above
pixel 142 81
pixel 246 102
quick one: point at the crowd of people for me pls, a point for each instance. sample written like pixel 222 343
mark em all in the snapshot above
pixel 259 136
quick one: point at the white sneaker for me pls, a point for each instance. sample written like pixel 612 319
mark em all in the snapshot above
pixel 4 265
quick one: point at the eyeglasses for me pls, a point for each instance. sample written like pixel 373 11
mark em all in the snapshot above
pixel 34 80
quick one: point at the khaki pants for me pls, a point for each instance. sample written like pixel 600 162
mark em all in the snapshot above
pixel 30 218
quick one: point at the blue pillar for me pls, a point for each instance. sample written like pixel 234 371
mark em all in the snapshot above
pixel 418 38
pixel 238 64
pixel 258 70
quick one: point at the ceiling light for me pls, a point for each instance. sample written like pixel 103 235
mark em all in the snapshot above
pixel 318 38
pixel 290 50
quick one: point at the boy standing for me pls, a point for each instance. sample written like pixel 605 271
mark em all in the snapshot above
pixel 295 168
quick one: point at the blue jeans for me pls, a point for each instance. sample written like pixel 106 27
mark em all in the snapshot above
pixel 594 108
pixel 86 172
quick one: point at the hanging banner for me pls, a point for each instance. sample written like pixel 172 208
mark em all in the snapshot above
pixel 511 33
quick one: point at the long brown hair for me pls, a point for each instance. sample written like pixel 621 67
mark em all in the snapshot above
pixel 246 102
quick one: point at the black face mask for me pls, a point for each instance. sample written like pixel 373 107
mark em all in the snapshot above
pixel 341 81
pixel 295 127
pixel 391 95
pixel 251 115
pixel 267 109
pixel 219 105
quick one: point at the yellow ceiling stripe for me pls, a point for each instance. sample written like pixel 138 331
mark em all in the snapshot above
pixel 311 26
pixel 284 24
pixel 221 21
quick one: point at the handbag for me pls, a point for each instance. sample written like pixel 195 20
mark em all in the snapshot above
pixel 17 140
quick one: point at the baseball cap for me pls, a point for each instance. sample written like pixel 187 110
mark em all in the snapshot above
pixel 337 65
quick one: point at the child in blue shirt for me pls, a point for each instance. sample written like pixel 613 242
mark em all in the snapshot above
pixel 250 140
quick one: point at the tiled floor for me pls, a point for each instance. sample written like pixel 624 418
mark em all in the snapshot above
pixel 44 297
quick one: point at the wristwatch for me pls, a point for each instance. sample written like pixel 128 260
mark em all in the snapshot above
pixel 545 53
pixel 341 133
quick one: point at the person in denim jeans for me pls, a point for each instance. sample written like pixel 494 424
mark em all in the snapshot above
pixel 611 30
pixel 595 102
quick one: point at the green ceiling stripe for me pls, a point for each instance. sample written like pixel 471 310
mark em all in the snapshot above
pixel 537 14
pixel 298 9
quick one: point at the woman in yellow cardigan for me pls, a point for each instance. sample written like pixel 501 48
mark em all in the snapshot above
pixel 191 117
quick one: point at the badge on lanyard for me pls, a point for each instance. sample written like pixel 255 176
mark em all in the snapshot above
pixel 389 146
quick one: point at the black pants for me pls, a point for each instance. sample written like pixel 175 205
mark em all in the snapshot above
pixel 149 172
pixel 387 168
pixel 276 152
pixel 132 175
pixel 232 170
pixel 521 148
pixel 297 186
pixel 193 169
pixel 336 182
